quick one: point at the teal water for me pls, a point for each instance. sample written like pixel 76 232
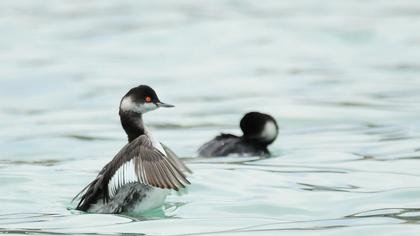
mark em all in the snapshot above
pixel 341 77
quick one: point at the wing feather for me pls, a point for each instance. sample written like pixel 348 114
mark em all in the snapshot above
pixel 138 161
pixel 175 160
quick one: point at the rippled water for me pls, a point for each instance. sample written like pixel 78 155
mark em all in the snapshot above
pixel 341 77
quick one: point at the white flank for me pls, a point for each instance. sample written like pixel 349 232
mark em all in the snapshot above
pixel 270 131
pixel 154 198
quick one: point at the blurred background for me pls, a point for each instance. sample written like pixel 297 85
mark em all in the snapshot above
pixel 341 78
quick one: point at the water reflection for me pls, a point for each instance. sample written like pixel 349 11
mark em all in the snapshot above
pixel 406 215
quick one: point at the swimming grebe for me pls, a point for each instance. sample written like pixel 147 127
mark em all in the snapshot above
pixel 144 170
pixel 259 131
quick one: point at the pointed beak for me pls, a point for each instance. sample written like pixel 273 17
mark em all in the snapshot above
pixel 161 104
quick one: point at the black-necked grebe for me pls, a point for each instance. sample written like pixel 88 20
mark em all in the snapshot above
pixel 140 175
pixel 259 131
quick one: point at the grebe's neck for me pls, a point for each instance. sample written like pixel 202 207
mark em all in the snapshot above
pixel 132 124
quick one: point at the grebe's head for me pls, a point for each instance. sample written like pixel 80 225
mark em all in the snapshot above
pixel 260 127
pixel 140 100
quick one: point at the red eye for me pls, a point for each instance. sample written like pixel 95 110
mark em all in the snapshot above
pixel 148 99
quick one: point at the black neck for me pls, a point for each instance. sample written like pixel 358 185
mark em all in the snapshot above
pixel 256 141
pixel 132 124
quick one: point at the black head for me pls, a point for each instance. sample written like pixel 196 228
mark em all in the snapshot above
pixel 141 99
pixel 260 127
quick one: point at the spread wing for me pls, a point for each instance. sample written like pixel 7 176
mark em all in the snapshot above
pixel 138 161
pixel 175 159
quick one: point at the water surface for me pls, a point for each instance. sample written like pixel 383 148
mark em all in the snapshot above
pixel 341 78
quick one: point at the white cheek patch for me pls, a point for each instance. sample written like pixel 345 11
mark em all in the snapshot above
pixel 127 104
pixel 270 131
